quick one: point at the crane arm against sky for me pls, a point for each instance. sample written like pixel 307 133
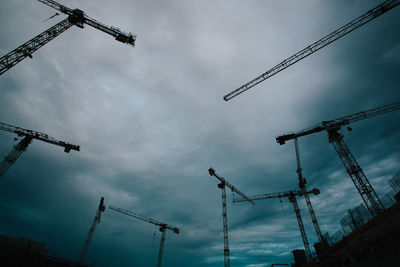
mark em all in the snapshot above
pixel 25 50
pixel 342 31
pixel 148 134
pixel 143 218
pixel 211 171
pixel 38 135
pixel 75 17
pixel 163 227
pixel 24 143
pixel 79 17
pixel 337 123
pixel 314 191
pixel 355 172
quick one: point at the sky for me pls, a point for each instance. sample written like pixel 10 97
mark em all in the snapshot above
pixel 151 119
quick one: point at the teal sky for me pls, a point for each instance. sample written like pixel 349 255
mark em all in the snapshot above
pixel 151 120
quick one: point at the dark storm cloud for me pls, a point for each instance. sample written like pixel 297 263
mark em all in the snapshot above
pixel 151 120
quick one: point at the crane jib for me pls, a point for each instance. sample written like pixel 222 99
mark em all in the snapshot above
pixel 337 123
pixel 342 31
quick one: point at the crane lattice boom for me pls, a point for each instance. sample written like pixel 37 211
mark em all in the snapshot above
pixel 38 135
pixel 352 167
pixel 75 17
pixel 163 227
pixel 314 191
pixel 342 31
pixel 339 122
pixel 26 50
pixel 211 171
pixel 78 17
pixel 143 218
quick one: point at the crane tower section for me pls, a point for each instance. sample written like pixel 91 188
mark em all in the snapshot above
pixel 352 167
pixel 222 185
pixel 291 195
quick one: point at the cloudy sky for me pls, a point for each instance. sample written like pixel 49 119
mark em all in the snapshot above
pixel 151 120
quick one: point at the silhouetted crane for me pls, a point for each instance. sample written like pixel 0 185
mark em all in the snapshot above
pixel 75 17
pixel 222 185
pixel 163 227
pixel 354 170
pixel 302 185
pixel 96 221
pixel 291 195
pixel 28 135
pixel 342 31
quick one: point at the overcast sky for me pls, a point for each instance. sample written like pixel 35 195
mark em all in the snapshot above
pixel 151 120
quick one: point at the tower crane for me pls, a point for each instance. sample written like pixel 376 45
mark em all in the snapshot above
pixel 75 17
pixel 95 222
pixel 28 136
pixel 342 31
pixel 354 170
pixel 302 185
pixel 222 185
pixel 163 228
pixel 291 195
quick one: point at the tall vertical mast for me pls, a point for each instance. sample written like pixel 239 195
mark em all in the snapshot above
pixel 302 185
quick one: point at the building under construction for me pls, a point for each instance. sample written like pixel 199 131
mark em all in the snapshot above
pixel 17 252
pixel 376 243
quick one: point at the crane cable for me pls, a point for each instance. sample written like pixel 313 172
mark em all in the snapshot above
pixel 56 14
pixel 283 211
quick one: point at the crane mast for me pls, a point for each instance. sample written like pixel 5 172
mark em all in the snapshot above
pixel 352 167
pixel 222 185
pixel 342 31
pixel 14 155
pixel 291 195
pixel 75 17
pixel 163 227
pixel 302 185
pixel 95 222
pixel 28 135
pixel 293 199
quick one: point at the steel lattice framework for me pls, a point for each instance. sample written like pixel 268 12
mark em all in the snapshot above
pixel 28 135
pixel 163 227
pixel 355 172
pixel 14 155
pixel 302 185
pixel 291 195
pixel 342 31
pixel 95 222
pixel 75 17
pixel 26 50
pixel 222 185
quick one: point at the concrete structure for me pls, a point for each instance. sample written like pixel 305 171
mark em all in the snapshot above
pixel 376 243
